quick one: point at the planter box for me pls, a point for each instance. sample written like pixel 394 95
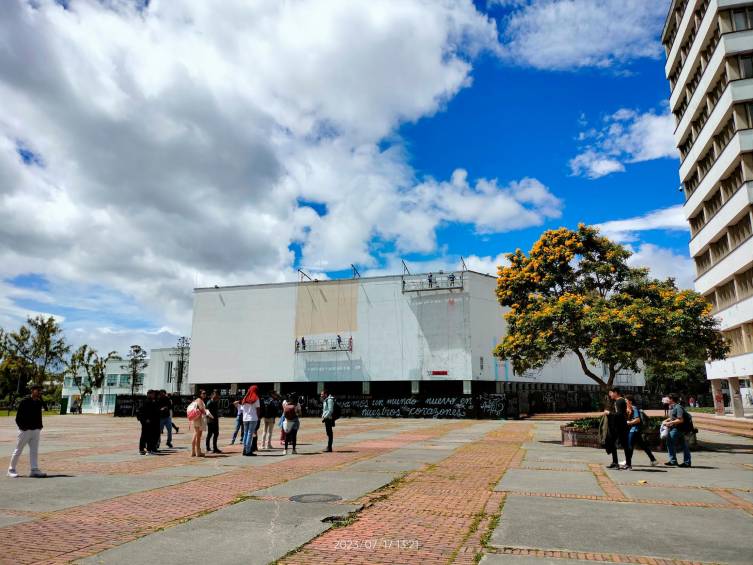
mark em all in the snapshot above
pixel 578 437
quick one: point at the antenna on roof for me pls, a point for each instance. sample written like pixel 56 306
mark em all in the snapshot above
pixel 356 274
pixel 405 268
pixel 462 262
pixel 303 274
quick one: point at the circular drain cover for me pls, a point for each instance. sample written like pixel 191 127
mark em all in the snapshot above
pixel 315 498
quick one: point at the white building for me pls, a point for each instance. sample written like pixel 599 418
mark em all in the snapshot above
pixel 389 335
pixel 158 374
pixel 709 47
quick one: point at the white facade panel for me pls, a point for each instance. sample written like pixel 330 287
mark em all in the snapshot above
pixel 726 215
pixel 736 315
pixel 737 366
pixel 726 268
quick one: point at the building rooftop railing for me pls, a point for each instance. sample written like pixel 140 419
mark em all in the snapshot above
pixel 320 345
pixel 431 282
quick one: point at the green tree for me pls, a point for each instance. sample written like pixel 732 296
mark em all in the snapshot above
pixel 96 370
pixel 180 370
pixel 136 362
pixel 37 351
pixel 77 367
pixel 574 293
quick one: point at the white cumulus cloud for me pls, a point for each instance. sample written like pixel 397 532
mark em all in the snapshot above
pixel 188 143
pixel 625 137
pixel 628 229
pixel 573 34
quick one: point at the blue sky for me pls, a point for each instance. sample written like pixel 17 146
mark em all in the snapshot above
pixel 148 150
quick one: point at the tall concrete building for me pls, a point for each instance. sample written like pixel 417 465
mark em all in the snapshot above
pixel 709 48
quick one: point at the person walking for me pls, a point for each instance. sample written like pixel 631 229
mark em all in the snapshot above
pixel 198 409
pixel 165 417
pixel 328 413
pixel 171 398
pixel 238 422
pixel 635 434
pixel 291 410
pixel 29 423
pixel 677 422
pixel 617 429
pixel 272 411
pixel 251 408
pixel 213 425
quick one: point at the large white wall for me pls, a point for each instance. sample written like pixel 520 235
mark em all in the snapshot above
pixel 247 334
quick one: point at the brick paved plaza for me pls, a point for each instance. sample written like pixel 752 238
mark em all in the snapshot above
pixel 410 491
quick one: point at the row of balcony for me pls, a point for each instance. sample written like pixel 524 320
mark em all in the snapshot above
pixel 732 238
pixel 739 67
pixel 740 339
pixel 726 22
pixel 722 193
pixel 741 118
pixel 735 290
pixel 673 24
pixel 695 24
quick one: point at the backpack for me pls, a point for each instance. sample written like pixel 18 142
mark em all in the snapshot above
pixel 687 421
pixel 336 410
pixel 290 412
pixel 193 412
pixel 645 420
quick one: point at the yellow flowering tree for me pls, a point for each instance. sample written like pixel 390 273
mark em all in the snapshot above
pixel 574 293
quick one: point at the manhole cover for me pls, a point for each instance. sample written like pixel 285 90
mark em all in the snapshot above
pixel 315 498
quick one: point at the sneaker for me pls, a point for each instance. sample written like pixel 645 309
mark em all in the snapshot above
pixel 328 450
pixel 613 466
pixel 142 452
pixel 12 474
pixel 671 463
pixel 626 468
pixel 170 445
pixel 622 463
pixel 285 452
pixel 685 464
pixel 654 463
pixel 295 452
pixel 38 474
pixel 177 430
pixel 216 451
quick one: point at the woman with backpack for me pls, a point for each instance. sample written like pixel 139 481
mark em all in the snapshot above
pixel 291 411
pixel 635 421
pixel 197 416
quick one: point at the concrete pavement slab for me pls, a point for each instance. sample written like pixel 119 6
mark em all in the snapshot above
pixel 675 494
pixel 697 534
pixel 345 483
pixel 565 482
pixel 505 559
pixel 694 477
pixel 564 466
pixel 9 519
pixel 56 493
pixel 254 532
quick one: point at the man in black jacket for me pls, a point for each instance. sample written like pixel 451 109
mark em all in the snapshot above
pixel 618 429
pixel 213 423
pixel 148 415
pixel 29 422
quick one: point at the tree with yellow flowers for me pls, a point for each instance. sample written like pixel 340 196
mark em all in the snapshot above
pixel 574 293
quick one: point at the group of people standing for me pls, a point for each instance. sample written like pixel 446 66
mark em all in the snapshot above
pixel 623 425
pixel 154 415
pixel 251 411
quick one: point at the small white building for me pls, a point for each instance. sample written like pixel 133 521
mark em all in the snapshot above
pixel 381 336
pixel 158 374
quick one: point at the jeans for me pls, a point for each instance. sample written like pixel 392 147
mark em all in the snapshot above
pixel 30 437
pixel 636 439
pixel 330 435
pixel 167 422
pixel 213 432
pixel 677 439
pixel 238 427
pixel 249 438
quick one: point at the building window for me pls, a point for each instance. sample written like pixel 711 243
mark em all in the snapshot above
pixel 168 371
pixel 68 382
pixel 742 19
pixel 87 401
pixel 746 66
pixel 111 380
pixel 125 380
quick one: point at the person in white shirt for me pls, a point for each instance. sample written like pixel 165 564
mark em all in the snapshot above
pixel 251 407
